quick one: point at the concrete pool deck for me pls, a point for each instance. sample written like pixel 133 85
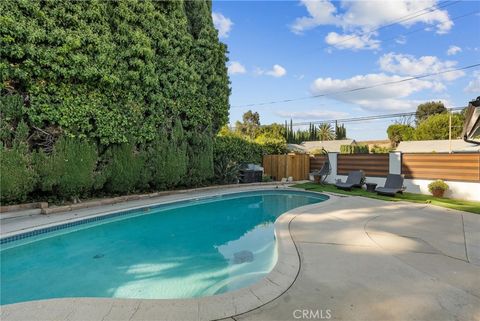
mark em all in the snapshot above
pixel 360 259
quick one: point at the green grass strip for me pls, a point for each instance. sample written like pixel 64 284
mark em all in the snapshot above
pixel 461 205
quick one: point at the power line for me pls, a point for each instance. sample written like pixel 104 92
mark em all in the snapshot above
pixel 360 88
pixel 393 22
pixel 359 119
pixel 367 118
pixel 422 29
pixel 397 21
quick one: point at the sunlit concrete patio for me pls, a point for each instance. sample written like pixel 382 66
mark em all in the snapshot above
pixel 364 259
pixel 360 259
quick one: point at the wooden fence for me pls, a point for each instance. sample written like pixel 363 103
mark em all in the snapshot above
pixel 284 166
pixel 371 164
pixel 456 167
pixel 316 162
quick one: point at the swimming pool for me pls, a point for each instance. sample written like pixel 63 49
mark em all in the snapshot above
pixel 184 249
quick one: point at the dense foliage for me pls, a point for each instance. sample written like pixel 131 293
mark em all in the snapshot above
pixel 131 93
pixel 353 149
pixel 437 185
pixel 437 127
pixel 230 152
pixel 432 123
pixel 428 109
pixel 376 149
pixel 399 132
pixel 18 177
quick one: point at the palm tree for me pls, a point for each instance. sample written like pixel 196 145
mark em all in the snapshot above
pixel 325 132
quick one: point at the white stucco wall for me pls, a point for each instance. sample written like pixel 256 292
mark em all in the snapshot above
pixel 461 190
pixel 395 162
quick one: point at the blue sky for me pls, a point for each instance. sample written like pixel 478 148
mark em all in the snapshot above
pixel 290 49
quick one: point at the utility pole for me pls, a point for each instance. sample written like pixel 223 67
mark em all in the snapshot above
pixel 450 132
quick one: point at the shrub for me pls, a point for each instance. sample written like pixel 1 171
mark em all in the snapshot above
pixel 380 149
pixel 354 149
pixel 437 185
pixel 226 171
pixel 18 177
pixel 167 159
pixel 237 149
pixel 124 169
pixel 46 169
pixel 229 152
pixel 69 170
pixel 200 159
pixel 346 149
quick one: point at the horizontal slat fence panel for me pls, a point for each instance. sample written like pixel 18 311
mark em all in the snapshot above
pixel 284 166
pixel 316 162
pixel 371 164
pixel 454 167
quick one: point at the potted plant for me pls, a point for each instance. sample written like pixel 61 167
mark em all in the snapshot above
pixel 437 188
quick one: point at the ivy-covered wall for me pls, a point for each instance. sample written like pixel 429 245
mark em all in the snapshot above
pixel 121 75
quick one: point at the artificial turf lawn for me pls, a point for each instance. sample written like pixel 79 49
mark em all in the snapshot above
pixel 467 206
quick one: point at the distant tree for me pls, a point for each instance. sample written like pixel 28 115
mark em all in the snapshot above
pixel 437 127
pixel 274 131
pixel 250 125
pixel 397 133
pixel 325 132
pixel 428 109
pixel 340 132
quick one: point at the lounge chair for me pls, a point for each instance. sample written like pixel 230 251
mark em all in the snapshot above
pixel 354 179
pixel 323 172
pixel 393 185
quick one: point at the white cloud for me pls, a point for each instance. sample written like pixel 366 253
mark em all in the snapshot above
pixel 369 14
pixel 321 13
pixel 276 71
pixel 316 114
pixel 474 84
pixel 362 16
pixel 453 50
pixel 351 41
pixel 397 95
pixel 222 24
pixel 401 40
pixel 408 65
pixel 235 67
pixel 389 97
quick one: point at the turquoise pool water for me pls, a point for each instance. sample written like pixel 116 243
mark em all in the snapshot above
pixel 180 250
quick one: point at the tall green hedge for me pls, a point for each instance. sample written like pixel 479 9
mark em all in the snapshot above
pixel 139 82
pixel 18 177
pixel 69 171
pixel 111 70
pixel 124 172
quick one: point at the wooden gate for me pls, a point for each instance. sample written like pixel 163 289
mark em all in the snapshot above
pixel 284 166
